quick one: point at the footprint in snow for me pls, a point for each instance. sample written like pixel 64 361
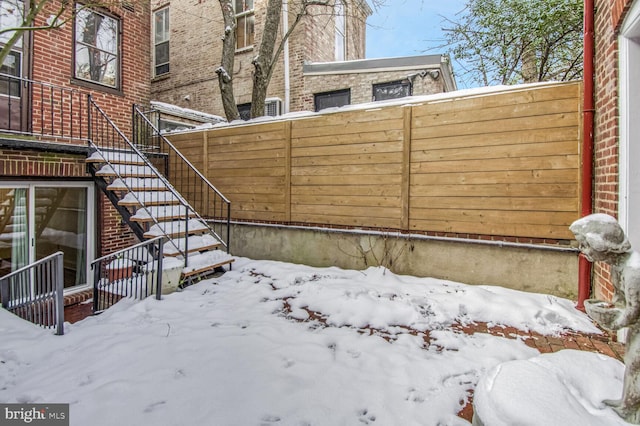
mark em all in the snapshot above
pixel 365 417
pixel 267 419
pixel 152 407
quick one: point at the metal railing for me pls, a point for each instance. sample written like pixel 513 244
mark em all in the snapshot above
pixel 134 272
pixel 205 198
pixel 106 139
pixel 33 108
pixel 35 292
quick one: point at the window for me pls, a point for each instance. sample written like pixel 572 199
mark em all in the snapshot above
pixel 245 111
pixel 11 12
pixel 244 23
pixel 161 42
pixel 11 66
pixel 341 30
pixel 391 90
pixel 334 99
pixel 97 47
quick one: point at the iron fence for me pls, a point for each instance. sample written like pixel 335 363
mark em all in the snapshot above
pixel 35 292
pixel 33 108
pixel 134 272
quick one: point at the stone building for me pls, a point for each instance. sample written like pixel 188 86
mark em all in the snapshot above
pixel 321 65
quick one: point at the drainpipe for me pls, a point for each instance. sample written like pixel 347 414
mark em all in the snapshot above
pixel 584 266
pixel 287 84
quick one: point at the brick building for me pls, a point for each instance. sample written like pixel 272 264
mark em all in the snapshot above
pixel 322 64
pixel 45 190
pixel 617 130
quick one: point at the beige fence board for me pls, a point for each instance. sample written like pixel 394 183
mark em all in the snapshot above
pixel 509 177
pixel 548 204
pixel 532 190
pixel 501 151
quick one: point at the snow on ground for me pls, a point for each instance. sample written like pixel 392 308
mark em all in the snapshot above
pixel 234 351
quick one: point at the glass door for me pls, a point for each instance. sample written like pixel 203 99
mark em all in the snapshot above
pixel 37 220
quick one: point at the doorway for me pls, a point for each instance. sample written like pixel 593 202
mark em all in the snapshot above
pixel 39 219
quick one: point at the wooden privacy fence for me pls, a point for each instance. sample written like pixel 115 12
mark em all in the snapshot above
pixel 501 164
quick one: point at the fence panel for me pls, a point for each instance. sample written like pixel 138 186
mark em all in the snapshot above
pixel 506 164
pixel 347 168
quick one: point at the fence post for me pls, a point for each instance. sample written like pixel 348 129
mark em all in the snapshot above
pixel 159 269
pixel 59 302
pixel 4 292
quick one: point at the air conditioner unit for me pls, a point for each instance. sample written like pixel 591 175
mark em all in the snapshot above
pixel 273 107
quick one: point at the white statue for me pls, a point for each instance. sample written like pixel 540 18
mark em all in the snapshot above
pixel 602 239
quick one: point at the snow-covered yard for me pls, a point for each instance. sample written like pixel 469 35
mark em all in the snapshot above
pixel 242 349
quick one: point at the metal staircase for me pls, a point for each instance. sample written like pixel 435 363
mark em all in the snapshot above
pixel 148 199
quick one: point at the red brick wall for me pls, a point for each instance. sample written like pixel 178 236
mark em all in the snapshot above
pixel 608 17
pixel 53 60
pixel 20 163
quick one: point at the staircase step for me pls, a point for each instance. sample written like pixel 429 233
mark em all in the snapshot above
pixel 126 170
pixel 204 262
pixel 161 213
pixel 196 243
pixel 149 198
pixel 115 157
pixel 176 228
pixel 137 184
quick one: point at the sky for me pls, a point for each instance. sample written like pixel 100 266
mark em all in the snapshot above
pixel 273 343
pixel 408 27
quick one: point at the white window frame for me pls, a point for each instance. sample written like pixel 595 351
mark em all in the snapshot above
pixel 245 15
pixel 629 126
pixel 340 42
pixel 90 224
pixel 166 34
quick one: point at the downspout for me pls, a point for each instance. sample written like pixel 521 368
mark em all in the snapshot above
pixel 584 266
pixel 287 84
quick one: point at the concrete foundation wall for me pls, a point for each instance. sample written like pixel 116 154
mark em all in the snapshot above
pixel 541 270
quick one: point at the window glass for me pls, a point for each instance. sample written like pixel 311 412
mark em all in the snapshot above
pixel 245 21
pixel 10 66
pixel 391 90
pixel 161 41
pixel 245 111
pixel 55 218
pixel 340 30
pixel 334 99
pixel 11 12
pixel 97 48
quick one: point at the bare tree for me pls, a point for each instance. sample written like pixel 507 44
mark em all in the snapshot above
pixel 270 48
pixel 225 70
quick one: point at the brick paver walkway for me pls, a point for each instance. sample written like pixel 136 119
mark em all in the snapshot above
pixel 602 343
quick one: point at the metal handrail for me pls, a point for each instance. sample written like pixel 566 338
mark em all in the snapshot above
pixel 128 273
pixel 198 176
pixel 131 147
pixel 29 291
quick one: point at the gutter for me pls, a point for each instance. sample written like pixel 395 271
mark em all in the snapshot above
pixel 584 266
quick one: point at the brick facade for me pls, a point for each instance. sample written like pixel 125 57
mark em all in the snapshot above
pixel 53 60
pixel 608 18
pixel 195 49
pixel 50 56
